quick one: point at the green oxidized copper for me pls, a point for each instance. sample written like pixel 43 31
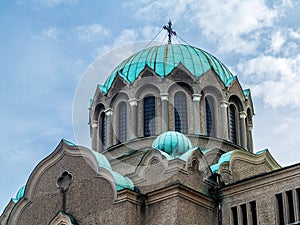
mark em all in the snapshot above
pixel 19 195
pixel 121 181
pixel 224 158
pixel 173 143
pixel 163 59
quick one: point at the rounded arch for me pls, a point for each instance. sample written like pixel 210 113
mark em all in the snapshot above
pixel 121 96
pixel 100 107
pixel 181 86
pixel 146 90
pixel 211 90
pixel 233 99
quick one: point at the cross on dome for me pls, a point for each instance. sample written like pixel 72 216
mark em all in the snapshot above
pixel 170 31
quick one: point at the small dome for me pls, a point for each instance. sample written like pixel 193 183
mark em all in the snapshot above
pixel 172 142
pixel 164 58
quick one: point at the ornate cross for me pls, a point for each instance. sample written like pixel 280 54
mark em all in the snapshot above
pixel 169 30
pixel 63 183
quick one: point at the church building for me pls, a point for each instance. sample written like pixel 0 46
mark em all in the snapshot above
pixel 171 144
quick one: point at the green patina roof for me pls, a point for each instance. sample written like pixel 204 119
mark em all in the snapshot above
pixel 172 143
pixel 246 93
pixel 101 160
pixel 224 158
pixel 164 58
pixel 19 195
pixel 121 181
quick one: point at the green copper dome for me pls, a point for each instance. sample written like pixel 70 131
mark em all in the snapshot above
pixel 173 143
pixel 164 58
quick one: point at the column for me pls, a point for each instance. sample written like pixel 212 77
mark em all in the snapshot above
pixel 196 106
pixel 109 128
pixel 164 112
pixel 243 116
pixel 224 109
pixel 133 118
pixel 94 135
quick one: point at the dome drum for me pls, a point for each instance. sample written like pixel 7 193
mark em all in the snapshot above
pixel 197 102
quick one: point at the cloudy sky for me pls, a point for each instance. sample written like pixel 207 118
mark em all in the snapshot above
pixel 48 45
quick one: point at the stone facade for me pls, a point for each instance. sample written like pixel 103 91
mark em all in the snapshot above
pixel 186 158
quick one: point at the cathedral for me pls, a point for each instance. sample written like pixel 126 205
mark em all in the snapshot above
pixel 171 144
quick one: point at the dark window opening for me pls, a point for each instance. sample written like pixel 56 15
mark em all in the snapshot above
pixel 122 122
pixel 234 215
pixel 253 212
pixel 102 128
pixel 244 214
pixel 290 205
pixel 210 117
pixel 149 116
pixel 280 210
pixel 180 113
pixel 298 199
pixel 232 124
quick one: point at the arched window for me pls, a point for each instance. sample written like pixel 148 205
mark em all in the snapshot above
pixel 63 218
pixel 102 128
pixel 210 116
pixel 180 113
pixel 122 122
pixel 149 116
pixel 232 124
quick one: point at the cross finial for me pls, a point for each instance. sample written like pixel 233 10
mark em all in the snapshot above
pixel 169 30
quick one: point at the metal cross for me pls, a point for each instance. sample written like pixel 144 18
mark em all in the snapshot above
pixel 169 30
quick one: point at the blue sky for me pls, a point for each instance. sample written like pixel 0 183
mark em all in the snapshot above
pixel 47 46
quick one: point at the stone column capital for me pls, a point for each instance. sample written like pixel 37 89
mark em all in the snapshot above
pixel 133 102
pixel 108 111
pixel 243 115
pixel 224 104
pixel 94 124
pixel 164 96
pixel 196 97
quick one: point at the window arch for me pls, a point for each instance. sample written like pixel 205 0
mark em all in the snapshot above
pixel 232 123
pixel 122 131
pixel 210 116
pixel 102 128
pixel 149 116
pixel 180 113
pixel 63 218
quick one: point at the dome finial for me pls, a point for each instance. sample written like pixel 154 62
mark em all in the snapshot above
pixel 169 30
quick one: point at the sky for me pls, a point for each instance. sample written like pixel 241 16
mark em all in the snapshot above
pixel 49 47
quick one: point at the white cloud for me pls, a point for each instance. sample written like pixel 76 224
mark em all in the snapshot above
pixel 278 39
pixel 275 79
pixel 126 36
pixel 233 24
pixel 91 32
pixel 295 34
pixel 51 33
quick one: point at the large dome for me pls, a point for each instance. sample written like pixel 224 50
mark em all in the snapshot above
pixel 164 58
